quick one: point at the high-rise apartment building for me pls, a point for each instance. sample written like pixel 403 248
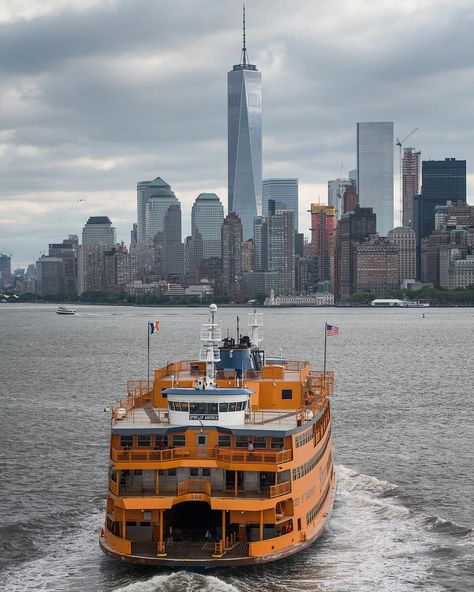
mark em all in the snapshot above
pixel 260 244
pixel 405 239
pixel 323 225
pixel 284 191
pixel 336 190
pixel 410 183
pixel 244 137
pixel 375 171
pixel 207 216
pixel 5 270
pixel 99 231
pixel 247 256
pixel 231 253
pixel 376 265
pixel 354 227
pixel 281 246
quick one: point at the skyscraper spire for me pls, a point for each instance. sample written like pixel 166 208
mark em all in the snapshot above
pixel 244 48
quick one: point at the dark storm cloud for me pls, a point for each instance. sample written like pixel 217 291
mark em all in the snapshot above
pixel 93 101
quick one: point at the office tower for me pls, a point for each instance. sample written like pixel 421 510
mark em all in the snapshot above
pixel 231 253
pixel 134 234
pixel 405 239
pixel 281 246
pixel 376 265
pixel 50 276
pixel 284 191
pixel 145 190
pixel 410 183
pixel 99 231
pixel 353 178
pixel 163 215
pixel 244 139
pixel 444 179
pixel 170 242
pixel 456 269
pixel 260 244
pixel 375 171
pixel 431 247
pixel 354 227
pixel 323 225
pixel 336 191
pixel 207 216
pixel 350 199
pixel 5 270
pixel 67 251
pixel 441 181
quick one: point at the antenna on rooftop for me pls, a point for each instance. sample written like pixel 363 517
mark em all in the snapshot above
pixel 244 48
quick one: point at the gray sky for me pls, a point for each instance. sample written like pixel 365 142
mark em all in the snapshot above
pixel 99 94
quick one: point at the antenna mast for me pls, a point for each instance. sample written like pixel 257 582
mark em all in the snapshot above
pixel 244 48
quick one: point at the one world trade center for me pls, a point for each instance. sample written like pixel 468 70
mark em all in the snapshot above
pixel 244 137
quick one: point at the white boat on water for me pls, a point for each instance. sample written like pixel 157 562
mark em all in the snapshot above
pixel 64 310
pixel 397 303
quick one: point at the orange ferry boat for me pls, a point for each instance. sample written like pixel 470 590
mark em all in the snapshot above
pixel 224 460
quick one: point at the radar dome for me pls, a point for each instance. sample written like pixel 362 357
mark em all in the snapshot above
pixel 212 307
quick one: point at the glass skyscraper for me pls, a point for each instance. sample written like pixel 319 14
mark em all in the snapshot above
pixel 207 217
pixel 244 141
pixel 284 191
pixel 375 171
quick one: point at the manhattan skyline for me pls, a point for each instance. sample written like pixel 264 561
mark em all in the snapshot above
pixel 89 108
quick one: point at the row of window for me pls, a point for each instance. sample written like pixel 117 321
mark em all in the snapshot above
pixel 223 440
pixel 309 465
pixel 316 431
pixel 207 408
pixel 305 437
pixel 311 515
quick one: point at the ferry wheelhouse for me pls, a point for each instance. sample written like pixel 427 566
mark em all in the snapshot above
pixel 222 460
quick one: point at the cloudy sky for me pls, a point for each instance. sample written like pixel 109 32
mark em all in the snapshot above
pixel 96 95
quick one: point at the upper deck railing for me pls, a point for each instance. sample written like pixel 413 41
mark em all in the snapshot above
pixel 228 455
pixel 317 386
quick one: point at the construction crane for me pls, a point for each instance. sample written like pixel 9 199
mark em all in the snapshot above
pixel 400 143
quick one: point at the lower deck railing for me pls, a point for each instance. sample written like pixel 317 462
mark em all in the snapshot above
pixel 198 486
pixel 190 549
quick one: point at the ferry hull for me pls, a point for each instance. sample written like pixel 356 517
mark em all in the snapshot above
pixel 210 563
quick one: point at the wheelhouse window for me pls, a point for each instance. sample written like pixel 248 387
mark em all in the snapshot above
pixel 203 408
pixel 178 405
pixel 234 406
pixel 287 394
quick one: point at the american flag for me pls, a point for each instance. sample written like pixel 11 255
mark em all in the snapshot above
pixel 332 330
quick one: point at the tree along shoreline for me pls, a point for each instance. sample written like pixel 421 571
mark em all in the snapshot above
pixel 434 296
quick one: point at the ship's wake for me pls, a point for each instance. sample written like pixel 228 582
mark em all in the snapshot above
pixel 374 541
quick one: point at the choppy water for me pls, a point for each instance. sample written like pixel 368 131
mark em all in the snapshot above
pixel 403 434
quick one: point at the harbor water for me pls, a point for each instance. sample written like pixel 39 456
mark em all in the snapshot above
pixel 402 428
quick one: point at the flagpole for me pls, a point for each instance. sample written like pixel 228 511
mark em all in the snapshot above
pixel 325 340
pixel 148 356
